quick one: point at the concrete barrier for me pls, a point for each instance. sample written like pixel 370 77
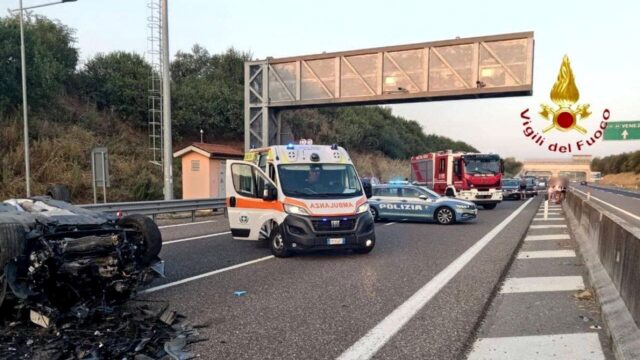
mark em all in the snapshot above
pixel 610 248
pixel 617 245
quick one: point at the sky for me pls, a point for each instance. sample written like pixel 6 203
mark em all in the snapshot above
pixel 600 38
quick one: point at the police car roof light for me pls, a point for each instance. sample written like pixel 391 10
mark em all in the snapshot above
pixel 334 146
pixel 290 146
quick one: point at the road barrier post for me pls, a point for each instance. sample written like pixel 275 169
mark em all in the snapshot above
pixel 546 208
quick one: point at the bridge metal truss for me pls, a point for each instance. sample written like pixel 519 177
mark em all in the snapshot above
pixel 489 66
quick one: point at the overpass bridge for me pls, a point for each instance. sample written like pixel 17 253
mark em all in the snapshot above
pixel 578 167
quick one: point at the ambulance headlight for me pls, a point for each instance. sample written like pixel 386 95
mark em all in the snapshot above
pixel 362 208
pixel 295 210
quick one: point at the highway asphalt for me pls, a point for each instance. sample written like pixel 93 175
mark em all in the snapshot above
pixel 319 305
pixel 614 200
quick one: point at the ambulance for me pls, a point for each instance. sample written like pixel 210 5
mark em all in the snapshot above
pixel 299 197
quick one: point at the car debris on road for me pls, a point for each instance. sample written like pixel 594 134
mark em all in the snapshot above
pixel 66 275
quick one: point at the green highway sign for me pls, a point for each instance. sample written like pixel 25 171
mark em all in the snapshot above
pixel 622 130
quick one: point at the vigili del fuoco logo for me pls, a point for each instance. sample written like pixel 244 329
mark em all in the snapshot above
pixel 566 116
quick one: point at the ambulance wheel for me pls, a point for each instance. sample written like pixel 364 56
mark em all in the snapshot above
pixel 445 216
pixel 276 243
pixel 489 206
pixel 374 213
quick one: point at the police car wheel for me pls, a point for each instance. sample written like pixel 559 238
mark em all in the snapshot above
pixel 276 243
pixel 374 213
pixel 445 216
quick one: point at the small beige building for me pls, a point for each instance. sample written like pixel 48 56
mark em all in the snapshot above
pixel 203 169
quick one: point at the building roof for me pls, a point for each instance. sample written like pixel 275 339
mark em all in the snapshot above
pixel 212 150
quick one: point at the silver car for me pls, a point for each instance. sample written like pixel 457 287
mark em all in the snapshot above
pixel 413 202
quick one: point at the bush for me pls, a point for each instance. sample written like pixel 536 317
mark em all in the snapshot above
pixel 50 58
pixel 117 82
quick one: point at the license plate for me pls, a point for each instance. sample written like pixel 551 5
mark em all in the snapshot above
pixel 335 241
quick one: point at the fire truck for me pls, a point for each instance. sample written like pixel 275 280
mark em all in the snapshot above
pixel 469 176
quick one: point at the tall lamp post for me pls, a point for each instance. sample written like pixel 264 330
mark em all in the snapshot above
pixel 27 171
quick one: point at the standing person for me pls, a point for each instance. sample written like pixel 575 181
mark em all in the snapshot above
pixel 523 189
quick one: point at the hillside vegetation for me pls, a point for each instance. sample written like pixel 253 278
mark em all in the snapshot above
pixel 614 164
pixel 104 102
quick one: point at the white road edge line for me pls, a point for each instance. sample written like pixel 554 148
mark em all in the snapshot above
pixel 186 224
pixel 197 277
pixel 194 238
pixel 376 338
pixel 613 206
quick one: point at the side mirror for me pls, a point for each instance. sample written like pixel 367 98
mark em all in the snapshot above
pixel 368 192
pixel 423 197
pixel 501 166
pixel 270 193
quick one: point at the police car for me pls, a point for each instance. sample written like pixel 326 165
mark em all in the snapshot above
pixel 401 200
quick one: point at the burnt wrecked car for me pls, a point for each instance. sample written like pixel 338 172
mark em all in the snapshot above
pixel 58 257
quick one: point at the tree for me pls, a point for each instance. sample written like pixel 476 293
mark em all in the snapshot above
pixel 50 58
pixel 208 93
pixel 512 167
pixel 118 82
pixel 368 129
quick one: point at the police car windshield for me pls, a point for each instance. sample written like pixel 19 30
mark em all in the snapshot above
pixel 319 180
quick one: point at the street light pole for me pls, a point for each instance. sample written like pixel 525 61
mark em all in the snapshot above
pixel 27 171
pixel 166 106
pixel 25 113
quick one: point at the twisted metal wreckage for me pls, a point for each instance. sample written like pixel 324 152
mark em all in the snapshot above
pixel 72 271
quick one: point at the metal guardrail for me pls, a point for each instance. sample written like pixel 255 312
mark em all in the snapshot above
pixel 156 207
pixel 615 190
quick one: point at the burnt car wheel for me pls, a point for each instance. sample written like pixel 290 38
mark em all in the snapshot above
pixel 59 192
pixel 445 216
pixel 150 241
pixel 12 244
pixel 3 289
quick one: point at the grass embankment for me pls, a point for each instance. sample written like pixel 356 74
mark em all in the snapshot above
pixel 381 166
pixel 626 180
pixel 60 153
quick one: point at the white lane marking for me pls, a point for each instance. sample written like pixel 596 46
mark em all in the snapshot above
pixel 546 254
pixel 195 238
pixel 388 224
pixel 376 338
pixel 542 284
pixel 612 206
pixel 540 347
pixel 187 224
pixel 547 237
pixel 547 226
pixel 197 277
pixel 548 219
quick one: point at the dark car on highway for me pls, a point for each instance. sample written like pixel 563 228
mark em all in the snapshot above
pixel 511 189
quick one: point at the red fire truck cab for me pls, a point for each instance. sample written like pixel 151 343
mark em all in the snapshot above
pixel 468 176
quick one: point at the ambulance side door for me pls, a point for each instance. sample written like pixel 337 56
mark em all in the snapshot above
pixel 252 200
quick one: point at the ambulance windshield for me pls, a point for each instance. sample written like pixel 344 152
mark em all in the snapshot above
pixel 319 180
